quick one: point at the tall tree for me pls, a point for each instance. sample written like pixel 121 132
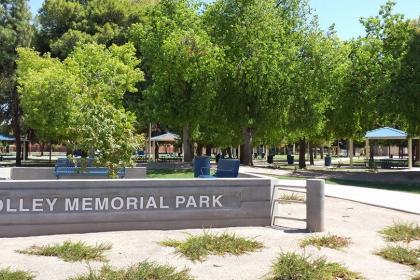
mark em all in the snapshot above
pixel 183 64
pixel 15 31
pixel 258 41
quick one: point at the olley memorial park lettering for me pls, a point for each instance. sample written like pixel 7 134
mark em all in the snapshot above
pixel 130 203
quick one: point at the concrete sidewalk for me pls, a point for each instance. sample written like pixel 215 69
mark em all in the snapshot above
pixel 403 201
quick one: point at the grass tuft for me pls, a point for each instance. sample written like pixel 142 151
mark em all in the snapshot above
pixel 401 255
pixel 8 274
pixel 292 266
pixel 291 197
pixel 328 241
pixel 144 270
pixel 401 232
pixel 70 251
pixel 198 247
pixel 416 276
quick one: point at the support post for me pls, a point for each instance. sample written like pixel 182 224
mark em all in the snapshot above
pixel 315 194
pixel 410 153
pixel 350 152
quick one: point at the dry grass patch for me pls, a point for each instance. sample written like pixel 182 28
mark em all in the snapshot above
pixel 70 251
pixel 291 196
pixel 8 274
pixel 198 247
pixel 402 255
pixel 328 241
pixel 144 270
pixel 292 266
pixel 401 232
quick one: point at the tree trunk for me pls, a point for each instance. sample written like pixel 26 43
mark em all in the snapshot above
pixel 156 151
pixel 208 150
pixel 321 152
pixel 16 126
pixel 26 155
pixel 199 150
pixel 371 152
pixel 229 152
pixel 41 147
pixel 311 154
pixel 187 144
pixel 50 152
pixel 315 152
pixel 246 153
pixel 302 152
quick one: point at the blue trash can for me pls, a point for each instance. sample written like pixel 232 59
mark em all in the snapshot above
pixel 327 160
pixel 201 166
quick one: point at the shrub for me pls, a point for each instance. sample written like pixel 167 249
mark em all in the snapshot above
pixel 144 271
pixel 200 246
pixel 401 255
pixel 329 241
pixel 70 251
pixel 401 232
pixel 8 274
pixel 292 266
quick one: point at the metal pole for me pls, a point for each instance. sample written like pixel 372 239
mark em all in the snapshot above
pixel 315 194
pixel 150 140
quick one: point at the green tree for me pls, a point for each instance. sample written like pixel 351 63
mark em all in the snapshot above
pixel 64 23
pixel 85 99
pixel 406 85
pixel 321 71
pixel 183 64
pixel 259 44
pixel 15 31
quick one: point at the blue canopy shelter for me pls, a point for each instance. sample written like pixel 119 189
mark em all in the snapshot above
pixel 7 138
pixel 389 133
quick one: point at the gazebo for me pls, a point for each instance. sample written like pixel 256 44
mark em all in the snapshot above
pixel 168 137
pixel 389 133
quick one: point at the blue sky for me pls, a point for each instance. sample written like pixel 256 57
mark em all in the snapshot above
pixel 344 13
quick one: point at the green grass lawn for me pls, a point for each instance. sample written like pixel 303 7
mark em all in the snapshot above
pixel 169 174
pixel 413 188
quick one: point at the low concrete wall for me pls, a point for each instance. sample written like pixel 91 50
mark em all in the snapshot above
pixel 47 173
pixel 76 206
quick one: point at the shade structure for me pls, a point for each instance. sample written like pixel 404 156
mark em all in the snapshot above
pixel 167 137
pixel 8 138
pixel 386 133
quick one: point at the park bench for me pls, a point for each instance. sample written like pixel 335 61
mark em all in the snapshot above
pixel 65 167
pixel 226 168
pixel 93 171
pixel 390 163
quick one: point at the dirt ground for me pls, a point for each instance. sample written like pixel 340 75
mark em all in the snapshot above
pixel 358 221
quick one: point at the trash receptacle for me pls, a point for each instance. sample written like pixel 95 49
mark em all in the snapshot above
pixel 327 160
pixel 201 166
pixel 290 159
pixel 270 159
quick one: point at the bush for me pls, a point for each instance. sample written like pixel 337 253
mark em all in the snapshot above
pixel 70 251
pixel 142 271
pixel 200 246
pixel 292 266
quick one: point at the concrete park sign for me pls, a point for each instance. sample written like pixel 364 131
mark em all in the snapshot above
pixel 75 206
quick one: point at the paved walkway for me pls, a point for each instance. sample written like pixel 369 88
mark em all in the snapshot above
pixel 404 201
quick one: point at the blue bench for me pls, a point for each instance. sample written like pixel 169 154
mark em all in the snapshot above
pixel 64 167
pixel 226 168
